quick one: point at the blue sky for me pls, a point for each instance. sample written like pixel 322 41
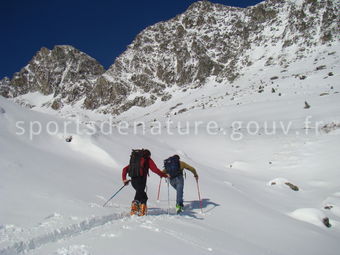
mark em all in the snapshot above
pixel 102 29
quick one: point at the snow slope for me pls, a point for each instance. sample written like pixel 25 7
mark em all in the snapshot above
pixel 52 192
pixel 248 147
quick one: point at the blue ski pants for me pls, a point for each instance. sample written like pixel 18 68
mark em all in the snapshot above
pixel 178 184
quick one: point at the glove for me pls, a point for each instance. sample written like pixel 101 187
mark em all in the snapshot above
pixel 126 182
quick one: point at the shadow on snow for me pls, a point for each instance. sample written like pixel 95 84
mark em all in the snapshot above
pixel 191 209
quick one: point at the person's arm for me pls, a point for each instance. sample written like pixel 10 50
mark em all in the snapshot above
pixel 155 169
pixel 124 173
pixel 184 165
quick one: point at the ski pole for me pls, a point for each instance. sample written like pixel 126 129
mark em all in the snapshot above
pixel 199 195
pixel 115 193
pixel 159 189
pixel 168 180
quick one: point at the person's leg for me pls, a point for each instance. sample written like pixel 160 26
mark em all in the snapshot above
pixel 178 184
pixel 173 183
pixel 143 198
pixel 135 203
pixel 179 189
pixel 139 184
pixel 135 185
pixel 143 195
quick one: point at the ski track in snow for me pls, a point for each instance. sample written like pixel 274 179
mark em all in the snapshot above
pixel 23 246
pixel 186 238
pixel 61 233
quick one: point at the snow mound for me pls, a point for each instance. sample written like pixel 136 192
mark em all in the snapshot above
pixel 310 215
pixel 86 146
pixel 282 183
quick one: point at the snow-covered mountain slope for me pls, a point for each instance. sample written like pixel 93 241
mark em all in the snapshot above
pixel 312 77
pixel 265 144
pixel 315 75
pixel 250 152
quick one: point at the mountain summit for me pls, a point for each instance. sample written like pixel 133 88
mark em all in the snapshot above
pixel 64 71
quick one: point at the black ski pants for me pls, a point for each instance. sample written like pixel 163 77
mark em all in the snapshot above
pixel 139 184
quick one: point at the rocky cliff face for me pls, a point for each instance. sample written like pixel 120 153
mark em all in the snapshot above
pixel 213 41
pixel 5 88
pixel 208 41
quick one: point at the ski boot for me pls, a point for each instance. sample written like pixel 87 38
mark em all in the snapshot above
pixel 143 210
pixel 179 209
pixel 135 207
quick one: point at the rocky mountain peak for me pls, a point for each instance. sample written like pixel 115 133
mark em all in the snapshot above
pixel 64 71
pixel 201 6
